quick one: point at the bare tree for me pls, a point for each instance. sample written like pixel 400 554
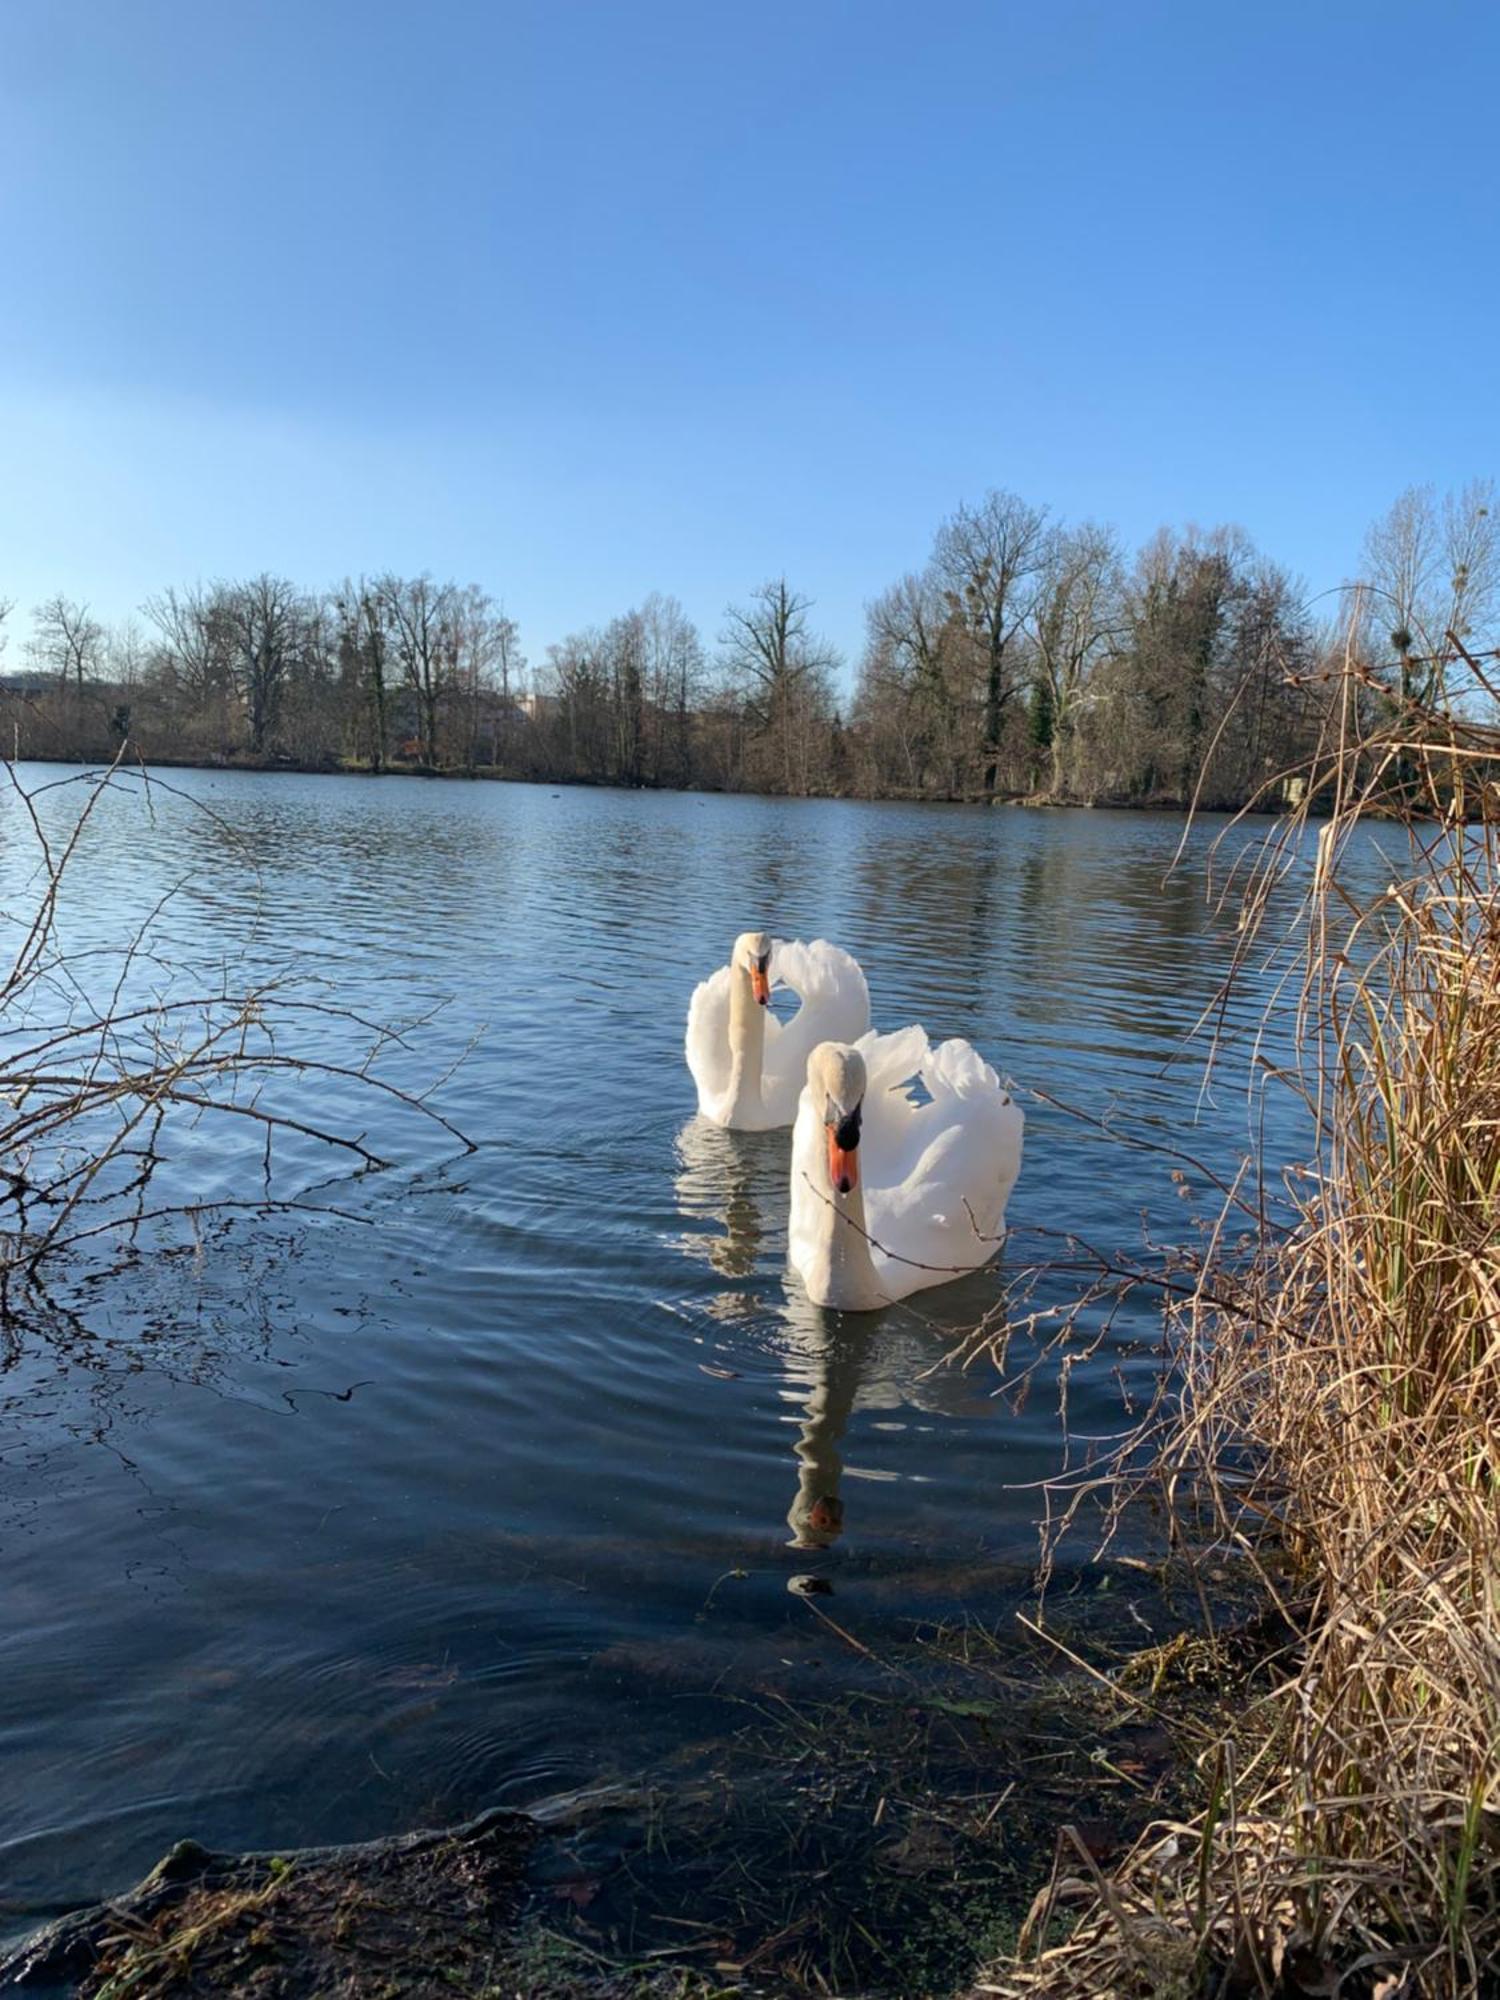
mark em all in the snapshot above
pixel 66 641
pixel 126 661
pixel 195 639
pixel 126 656
pixel 581 685
pixel 627 696
pixel 507 663
pixel 364 646
pixel 781 672
pixel 988 559
pixel 421 615
pixel 1265 681
pixel 1188 679
pixel 1076 618
pixel 621 657
pixel 1471 555
pixel 484 647
pixel 912 699
pixel 1433 568
pixel 1177 612
pixel 266 620
pixel 311 725
pixel 673 667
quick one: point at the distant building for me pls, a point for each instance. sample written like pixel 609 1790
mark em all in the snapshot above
pixel 28 686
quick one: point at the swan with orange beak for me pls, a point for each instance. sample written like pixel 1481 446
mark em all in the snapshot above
pixel 890 1195
pixel 827 1236
pixel 748 1065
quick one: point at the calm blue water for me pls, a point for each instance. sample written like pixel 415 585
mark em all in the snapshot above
pixel 322 1528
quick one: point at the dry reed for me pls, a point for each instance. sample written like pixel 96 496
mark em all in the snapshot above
pixel 1334 1420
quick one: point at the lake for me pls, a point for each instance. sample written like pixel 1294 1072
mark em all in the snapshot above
pixel 493 1485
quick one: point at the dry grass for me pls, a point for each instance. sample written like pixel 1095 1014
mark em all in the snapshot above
pixel 1336 1421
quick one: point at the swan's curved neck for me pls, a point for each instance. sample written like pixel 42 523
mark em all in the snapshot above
pixel 837 1267
pixel 747 1043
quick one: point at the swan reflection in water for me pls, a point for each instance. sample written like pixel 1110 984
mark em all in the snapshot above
pixel 736 1180
pixel 835 1365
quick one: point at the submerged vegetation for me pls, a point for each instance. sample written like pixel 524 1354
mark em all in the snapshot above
pixel 1026 657
pixel 1331 1423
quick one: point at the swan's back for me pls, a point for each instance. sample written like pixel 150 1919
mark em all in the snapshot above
pixel 938 1174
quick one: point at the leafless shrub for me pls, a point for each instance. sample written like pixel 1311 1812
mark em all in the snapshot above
pixel 102 1048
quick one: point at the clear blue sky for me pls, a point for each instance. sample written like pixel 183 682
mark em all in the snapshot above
pixel 585 298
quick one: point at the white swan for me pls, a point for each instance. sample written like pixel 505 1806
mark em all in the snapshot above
pixel 748 1066
pixel 889 1195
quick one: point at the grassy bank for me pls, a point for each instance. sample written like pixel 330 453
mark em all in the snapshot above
pixel 1336 1430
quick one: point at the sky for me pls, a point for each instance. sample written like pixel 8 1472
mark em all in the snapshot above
pixel 581 299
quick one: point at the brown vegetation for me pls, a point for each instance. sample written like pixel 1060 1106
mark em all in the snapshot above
pixel 1333 1424
pixel 421 1914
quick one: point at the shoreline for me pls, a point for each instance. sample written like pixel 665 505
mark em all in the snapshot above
pixel 578 1897
pixel 493 774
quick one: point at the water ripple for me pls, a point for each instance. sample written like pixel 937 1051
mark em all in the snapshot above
pixel 374 1523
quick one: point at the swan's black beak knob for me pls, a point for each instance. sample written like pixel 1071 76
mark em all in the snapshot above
pixel 843 1152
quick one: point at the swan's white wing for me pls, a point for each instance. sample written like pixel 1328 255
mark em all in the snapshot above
pixel 707 1043
pixel 891 1061
pixel 835 1008
pixel 982 1168
pixel 961 1154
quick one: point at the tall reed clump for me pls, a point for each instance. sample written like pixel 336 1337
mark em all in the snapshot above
pixel 1337 1422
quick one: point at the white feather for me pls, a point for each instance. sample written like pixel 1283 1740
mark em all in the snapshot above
pixel 835 1006
pixel 934 1177
pixel 708 1038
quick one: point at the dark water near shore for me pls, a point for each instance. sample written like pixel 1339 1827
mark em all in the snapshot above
pixel 330 1527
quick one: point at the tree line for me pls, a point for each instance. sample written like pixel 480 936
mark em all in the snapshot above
pixel 1027 656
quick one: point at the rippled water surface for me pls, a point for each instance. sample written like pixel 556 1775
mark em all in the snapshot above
pixel 335 1526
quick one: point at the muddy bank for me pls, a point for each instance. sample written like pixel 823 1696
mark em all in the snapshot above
pixel 886 1842
pixel 410 1915
pixel 419 1915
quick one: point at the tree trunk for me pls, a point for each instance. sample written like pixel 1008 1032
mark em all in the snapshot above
pixel 994 705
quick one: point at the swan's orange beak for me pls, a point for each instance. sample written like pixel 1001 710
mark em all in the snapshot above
pixel 843 1154
pixel 760 981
